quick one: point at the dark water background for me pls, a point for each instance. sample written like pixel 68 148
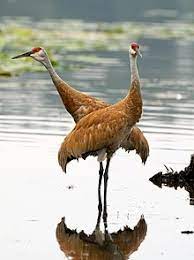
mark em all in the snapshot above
pixel 101 10
pixel 34 193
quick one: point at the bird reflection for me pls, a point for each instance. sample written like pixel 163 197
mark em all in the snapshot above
pixel 100 245
pixel 174 182
pixel 190 188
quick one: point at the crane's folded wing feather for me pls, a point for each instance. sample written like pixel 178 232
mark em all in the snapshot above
pixel 136 141
pixel 94 132
pixel 78 104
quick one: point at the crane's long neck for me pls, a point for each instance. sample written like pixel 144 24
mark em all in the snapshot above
pixel 66 92
pixel 54 76
pixel 133 100
pixel 135 80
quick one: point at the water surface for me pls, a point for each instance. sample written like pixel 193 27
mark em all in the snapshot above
pixel 109 10
pixel 36 194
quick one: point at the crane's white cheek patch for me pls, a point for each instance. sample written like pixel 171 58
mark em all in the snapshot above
pixel 131 51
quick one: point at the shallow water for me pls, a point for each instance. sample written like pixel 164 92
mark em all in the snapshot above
pixel 109 11
pixel 35 194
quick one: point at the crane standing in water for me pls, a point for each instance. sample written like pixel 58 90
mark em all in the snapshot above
pixel 79 104
pixel 102 132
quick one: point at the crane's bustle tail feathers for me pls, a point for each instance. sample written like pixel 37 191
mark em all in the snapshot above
pixel 138 142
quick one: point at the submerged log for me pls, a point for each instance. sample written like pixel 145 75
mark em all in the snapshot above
pixel 182 179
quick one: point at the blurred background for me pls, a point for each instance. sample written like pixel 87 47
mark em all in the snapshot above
pixel 107 11
pixel 87 42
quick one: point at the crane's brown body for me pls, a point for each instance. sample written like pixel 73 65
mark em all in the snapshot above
pixel 79 105
pixel 104 130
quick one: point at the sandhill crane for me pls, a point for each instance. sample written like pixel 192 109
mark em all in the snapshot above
pixel 79 104
pixel 76 245
pixel 98 246
pixel 101 244
pixel 101 132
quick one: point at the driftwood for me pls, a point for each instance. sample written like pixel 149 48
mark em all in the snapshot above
pixel 182 179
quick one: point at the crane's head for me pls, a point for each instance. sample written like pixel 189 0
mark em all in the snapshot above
pixel 134 49
pixel 36 53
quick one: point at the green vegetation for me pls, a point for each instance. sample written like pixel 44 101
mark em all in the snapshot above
pixel 62 37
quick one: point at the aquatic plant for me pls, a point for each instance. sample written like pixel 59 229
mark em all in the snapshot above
pixel 76 38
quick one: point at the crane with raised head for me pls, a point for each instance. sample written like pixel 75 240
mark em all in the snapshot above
pixel 79 104
pixel 102 132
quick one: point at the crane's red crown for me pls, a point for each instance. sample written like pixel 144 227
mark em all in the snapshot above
pixel 134 46
pixel 36 49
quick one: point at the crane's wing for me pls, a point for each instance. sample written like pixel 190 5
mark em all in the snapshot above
pixel 137 141
pixel 96 131
pixel 78 104
pixel 88 105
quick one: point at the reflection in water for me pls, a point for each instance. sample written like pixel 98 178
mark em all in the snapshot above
pixel 120 245
pixel 100 245
pixel 182 179
pixel 187 186
pixel 190 188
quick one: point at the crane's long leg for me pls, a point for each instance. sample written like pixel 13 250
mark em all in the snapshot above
pixel 105 195
pixel 101 170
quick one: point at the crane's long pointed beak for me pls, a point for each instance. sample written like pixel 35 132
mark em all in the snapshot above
pixel 26 54
pixel 139 53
